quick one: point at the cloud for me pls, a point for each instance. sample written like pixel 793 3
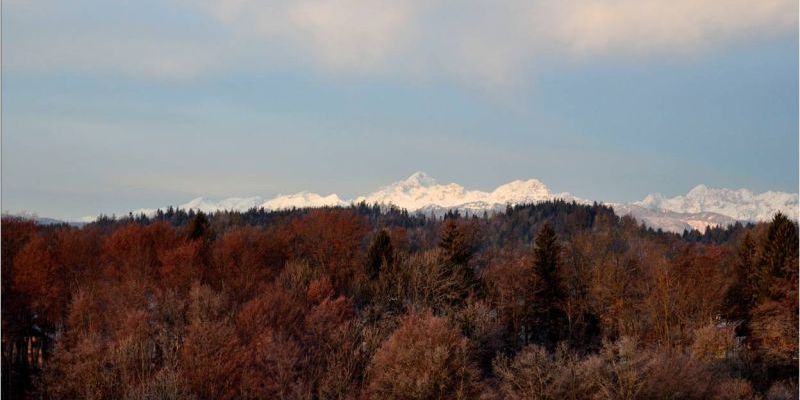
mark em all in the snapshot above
pixel 497 41
pixel 488 43
pixel 602 26
pixel 354 32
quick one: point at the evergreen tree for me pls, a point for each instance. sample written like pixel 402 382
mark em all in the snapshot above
pixel 773 320
pixel 547 255
pixel 455 244
pixel 547 320
pixel 457 250
pixel 780 248
pixel 380 254
pixel 198 226
pixel 741 296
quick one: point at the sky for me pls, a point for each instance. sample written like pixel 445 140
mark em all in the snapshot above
pixel 110 106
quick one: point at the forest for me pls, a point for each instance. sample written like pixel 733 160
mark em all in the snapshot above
pixel 553 300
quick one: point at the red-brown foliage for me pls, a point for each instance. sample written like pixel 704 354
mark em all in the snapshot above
pixel 330 239
pixel 244 259
pixel 133 250
pixel 284 308
pixel 42 278
pixel 426 358
pixel 273 309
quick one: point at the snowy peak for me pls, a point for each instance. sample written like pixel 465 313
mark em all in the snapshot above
pixel 652 201
pixel 302 200
pixel 281 202
pixel 741 204
pixel 231 203
pixel 519 191
pixel 701 207
pixel 418 179
pixel 420 191
pixel 672 221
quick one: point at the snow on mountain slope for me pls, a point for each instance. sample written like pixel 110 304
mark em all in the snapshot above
pixel 420 191
pixel 742 204
pixel 281 202
pixel 417 192
pixel 302 200
pixel 672 221
pixel 231 203
pixel 518 191
pixel 699 208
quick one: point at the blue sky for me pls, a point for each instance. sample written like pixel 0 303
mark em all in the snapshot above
pixel 116 105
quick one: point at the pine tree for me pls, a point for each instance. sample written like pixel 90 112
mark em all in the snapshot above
pixel 457 250
pixel 773 320
pixel 547 320
pixel 741 296
pixel 198 226
pixel 780 248
pixel 547 254
pixel 455 244
pixel 380 254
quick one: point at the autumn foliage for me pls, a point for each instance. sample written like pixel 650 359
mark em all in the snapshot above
pixel 547 301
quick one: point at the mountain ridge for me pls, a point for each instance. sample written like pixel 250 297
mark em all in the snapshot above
pixel 700 207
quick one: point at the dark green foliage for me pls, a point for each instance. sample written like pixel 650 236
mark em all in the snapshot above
pixel 717 234
pixel 763 299
pixel 547 256
pixel 780 247
pixel 547 320
pixel 380 254
pixel 456 244
pixel 741 296
pixel 198 227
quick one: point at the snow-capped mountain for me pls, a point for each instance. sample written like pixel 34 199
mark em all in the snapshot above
pixel 420 191
pixel 699 208
pixel 231 203
pixel 740 204
pixel 302 200
pixel 280 202
pixel 672 221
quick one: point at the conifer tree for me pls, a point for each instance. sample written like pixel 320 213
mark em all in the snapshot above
pixel 380 254
pixel 741 297
pixel 456 246
pixel 198 226
pixel 547 255
pixel 457 250
pixel 780 248
pixel 546 320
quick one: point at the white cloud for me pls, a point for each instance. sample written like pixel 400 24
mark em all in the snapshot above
pixel 496 41
pixel 598 26
pixel 354 32
pixel 482 42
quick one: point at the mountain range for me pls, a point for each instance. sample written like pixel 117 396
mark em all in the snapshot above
pixel 699 208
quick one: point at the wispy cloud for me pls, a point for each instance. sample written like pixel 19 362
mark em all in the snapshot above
pixel 602 26
pixel 489 43
pixel 497 41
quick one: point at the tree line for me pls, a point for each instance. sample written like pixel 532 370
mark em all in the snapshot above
pixel 554 300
